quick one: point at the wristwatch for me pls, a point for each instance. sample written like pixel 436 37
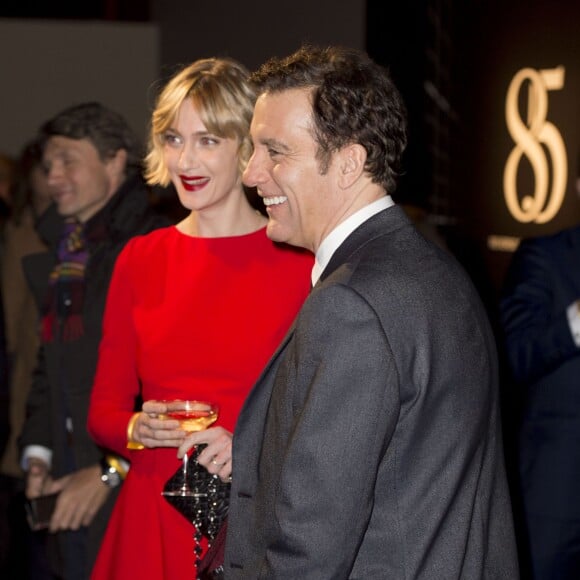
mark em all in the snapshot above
pixel 110 475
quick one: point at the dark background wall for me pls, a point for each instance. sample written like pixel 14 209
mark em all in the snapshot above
pixel 49 64
pixel 253 31
pixel 118 51
pixel 454 62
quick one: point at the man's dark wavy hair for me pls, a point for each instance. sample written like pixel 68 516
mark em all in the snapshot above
pixel 107 130
pixel 354 100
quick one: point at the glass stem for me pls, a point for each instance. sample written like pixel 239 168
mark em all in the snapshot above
pixel 185 459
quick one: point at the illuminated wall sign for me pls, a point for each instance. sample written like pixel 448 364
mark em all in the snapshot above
pixel 520 149
pixel 540 142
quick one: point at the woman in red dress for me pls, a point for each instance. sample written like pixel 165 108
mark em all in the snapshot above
pixel 194 311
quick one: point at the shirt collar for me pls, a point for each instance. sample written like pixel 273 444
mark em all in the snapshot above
pixel 333 240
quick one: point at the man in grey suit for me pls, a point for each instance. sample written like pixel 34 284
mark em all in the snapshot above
pixel 370 447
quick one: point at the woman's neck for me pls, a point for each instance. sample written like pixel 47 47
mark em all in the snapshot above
pixel 219 225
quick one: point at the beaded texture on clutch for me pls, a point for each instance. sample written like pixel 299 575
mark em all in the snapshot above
pixel 208 508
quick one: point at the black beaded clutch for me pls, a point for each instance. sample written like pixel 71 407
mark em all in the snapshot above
pixel 207 508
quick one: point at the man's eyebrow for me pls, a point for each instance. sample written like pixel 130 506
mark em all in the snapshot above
pixel 274 144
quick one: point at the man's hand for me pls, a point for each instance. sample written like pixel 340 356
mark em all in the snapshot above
pixel 82 496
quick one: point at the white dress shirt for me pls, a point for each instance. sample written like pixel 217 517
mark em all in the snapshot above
pixel 333 240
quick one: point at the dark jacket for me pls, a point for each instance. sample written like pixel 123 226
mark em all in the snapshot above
pixel 542 281
pixel 63 378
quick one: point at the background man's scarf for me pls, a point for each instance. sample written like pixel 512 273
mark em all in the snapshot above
pixel 64 304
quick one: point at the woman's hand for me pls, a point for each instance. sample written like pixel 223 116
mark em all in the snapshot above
pixel 217 456
pixel 151 431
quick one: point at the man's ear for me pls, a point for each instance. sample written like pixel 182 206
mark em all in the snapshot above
pixel 352 164
pixel 118 162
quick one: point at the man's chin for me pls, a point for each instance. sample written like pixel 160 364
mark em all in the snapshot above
pixel 64 211
pixel 275 232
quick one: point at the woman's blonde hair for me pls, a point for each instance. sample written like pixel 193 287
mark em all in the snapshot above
pixel 224 98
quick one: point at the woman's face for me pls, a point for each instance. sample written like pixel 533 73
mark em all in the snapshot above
pixel 203 167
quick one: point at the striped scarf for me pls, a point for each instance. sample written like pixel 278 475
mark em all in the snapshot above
pixel 64 303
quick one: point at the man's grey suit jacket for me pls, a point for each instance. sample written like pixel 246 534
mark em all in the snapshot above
pixel 370 447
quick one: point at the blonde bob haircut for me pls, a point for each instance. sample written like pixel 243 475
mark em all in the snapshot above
pixel 224 98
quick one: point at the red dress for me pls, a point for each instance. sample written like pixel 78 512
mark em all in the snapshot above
pixel 185 317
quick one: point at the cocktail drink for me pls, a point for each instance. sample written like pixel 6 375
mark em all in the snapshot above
pixel 193 416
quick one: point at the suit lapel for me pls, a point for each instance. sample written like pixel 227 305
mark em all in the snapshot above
pixel 382 223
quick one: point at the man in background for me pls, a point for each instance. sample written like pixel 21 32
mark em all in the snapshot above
pixel 540 315
pixel 92 163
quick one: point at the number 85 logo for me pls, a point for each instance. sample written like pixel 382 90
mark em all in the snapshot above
pixel 529 136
